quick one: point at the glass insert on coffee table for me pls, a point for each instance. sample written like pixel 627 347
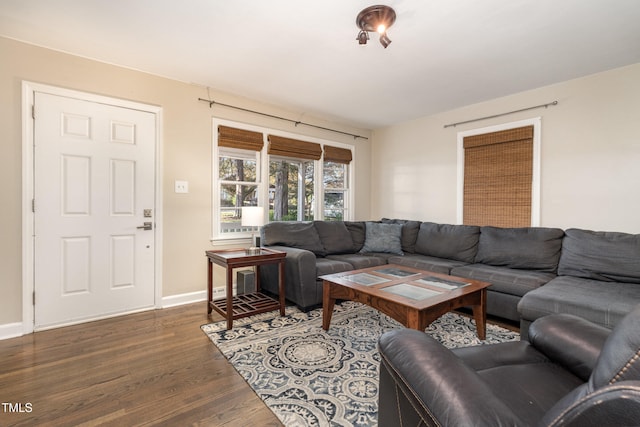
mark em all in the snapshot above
pixel 409 295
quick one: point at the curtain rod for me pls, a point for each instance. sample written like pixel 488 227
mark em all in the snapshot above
pixel 500 115
pixel 295 122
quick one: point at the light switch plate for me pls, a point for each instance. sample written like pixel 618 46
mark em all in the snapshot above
pixel 182 186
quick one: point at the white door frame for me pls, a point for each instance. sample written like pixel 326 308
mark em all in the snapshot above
pixel 28 89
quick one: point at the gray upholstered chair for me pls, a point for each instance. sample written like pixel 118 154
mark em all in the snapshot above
pixel 570 373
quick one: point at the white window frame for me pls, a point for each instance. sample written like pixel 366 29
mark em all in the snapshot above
pixel 345 190
pixel 240 238
pixel 536 122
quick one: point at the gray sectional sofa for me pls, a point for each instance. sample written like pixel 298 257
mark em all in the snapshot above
pixel 598 279
pixel 533 271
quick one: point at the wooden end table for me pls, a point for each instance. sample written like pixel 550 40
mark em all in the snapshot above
pixel 244 305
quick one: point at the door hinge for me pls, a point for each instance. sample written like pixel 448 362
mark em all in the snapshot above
pixel 33 111
pixel 33 205
pixel 34 297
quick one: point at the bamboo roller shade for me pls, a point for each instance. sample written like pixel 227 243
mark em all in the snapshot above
pixel 498 175
pixel 289 147
pixel 509 135
pixel 239 138
pixel 249 140
pixel 337 155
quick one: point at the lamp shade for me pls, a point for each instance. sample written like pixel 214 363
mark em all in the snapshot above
pixel 253 216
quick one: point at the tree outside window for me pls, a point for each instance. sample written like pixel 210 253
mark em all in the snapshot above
pixel 291 189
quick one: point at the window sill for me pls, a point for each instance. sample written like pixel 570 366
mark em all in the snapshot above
pixel 238 241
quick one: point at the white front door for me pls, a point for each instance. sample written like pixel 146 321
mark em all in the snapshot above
pixel 94 188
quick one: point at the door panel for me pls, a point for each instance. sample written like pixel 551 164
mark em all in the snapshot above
pixel 94 175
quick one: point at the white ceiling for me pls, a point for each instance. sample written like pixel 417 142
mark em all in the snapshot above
pixel 303 55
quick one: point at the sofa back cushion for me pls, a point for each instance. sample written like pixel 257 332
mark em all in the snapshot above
pixel 335 237
pixel 457 242
pixel 527 248
pixel 301 235
pixel 357 229
pixel 600 255
pixel 409 234
pixel 382 238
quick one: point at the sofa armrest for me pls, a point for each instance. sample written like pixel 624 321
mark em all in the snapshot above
pixel 300 273
pixel 612 405
pixel 570 341
pixel 420 373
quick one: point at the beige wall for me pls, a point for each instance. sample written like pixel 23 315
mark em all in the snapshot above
pixel 186 156
pixel 590 155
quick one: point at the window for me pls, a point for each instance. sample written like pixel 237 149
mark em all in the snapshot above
pixel 291 189
pixel 335 180
pixel 237 171
pixel 500 176
pixel 291 178
pixel 335 187
pixel 298 180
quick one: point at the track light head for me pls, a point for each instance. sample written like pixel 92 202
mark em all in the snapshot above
pixel 384 40
pixel 363 36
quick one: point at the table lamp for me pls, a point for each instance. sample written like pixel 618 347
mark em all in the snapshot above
pixel 253 216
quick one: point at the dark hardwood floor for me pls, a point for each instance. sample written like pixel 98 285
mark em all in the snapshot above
pixel 144 369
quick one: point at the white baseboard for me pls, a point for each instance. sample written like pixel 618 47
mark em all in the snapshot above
pixel 11 330
pixel 181 299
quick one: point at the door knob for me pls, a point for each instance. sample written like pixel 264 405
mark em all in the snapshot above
pixel 146 226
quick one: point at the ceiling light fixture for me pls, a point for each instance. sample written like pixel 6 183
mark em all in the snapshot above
pixel 375 18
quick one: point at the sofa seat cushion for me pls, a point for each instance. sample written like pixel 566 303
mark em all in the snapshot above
pixel 527 248
pixel 603 303
pixel 331 266
pixel 605 256
pixel 358 261
pixel 507 367
pixel 457 242
pixel 428 263
pixel 506 280
pixel 530 402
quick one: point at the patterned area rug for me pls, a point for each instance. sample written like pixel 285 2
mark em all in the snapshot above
pixel 309 377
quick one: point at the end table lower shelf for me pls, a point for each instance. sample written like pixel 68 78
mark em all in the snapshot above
pixel 245 305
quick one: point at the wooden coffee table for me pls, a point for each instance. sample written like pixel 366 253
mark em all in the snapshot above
pixel 411 296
